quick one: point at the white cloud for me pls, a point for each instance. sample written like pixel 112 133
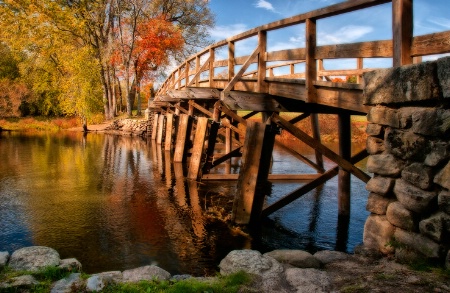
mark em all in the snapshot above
pixel 440 21
pixel 345 34
pixel 265 5
pixel 222 32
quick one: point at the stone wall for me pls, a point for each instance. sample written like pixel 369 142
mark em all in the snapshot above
pixel 409 147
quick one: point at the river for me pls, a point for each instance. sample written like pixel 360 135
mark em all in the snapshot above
pixel 116 202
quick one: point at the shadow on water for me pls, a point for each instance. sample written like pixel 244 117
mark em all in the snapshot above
pixel 118 202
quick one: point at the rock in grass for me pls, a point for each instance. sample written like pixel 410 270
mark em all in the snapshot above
pixel 34 258
pixel 329 256
pixel 19 283
pixel 73 283
pixel 99 281
pixel 70 265
pixel 308 280
pixel 147 273
pixel 296 258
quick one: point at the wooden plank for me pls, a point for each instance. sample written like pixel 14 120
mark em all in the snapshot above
pixel 211 67
pixel 345 72
pixel 311 63
pixel 286 55
pixel 231 113
pixel 182 137
pixel 155 126
pixel 212 137
pixel 231 60
pixel 199 71
pixel 197 150
pixel 437 43
pixel 340 98
pixel 345 164
pixel 299 118
pixel 316 135
pixel 271 177
pixel 339 85
pixel 402 14
pixel 192 93
pixel 226 123
pixel 181 109
pixel 159 138
pixel 251 114
pixel 237 100
pixel 294 89
pixel 373 49
pixel 169 132
pixel 233 154
pixel 251 186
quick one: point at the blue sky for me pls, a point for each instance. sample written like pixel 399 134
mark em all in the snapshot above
pixel 235 16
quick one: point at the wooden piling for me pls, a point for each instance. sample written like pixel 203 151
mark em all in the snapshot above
pixel 345 144
pixel 182 136
pixel 197 150
pixel 252 182
pixel 169 132
pixel 155 127
pixel 159 137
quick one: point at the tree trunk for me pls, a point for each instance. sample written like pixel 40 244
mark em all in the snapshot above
pixel 130 99
pixel 139 102
pixel 120 95
pixel 105 92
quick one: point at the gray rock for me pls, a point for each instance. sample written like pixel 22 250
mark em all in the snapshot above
pixel 251 261
pixel 34 258
pixel 400 217
pixel 418 175
pixel 367 252
pixel 405 144
pixel 384 116
pixel 377 204
pixel 443 72
pixel 412 197
pixel 308 280
pixel 378 232
pixel 436 226
pixel 177 278
pixel 4 257
pixel 70 265
pixel 329 256
pixel 374 129
pixel 431 121
pixel 145 273
pixel 73 283
pixel 20 282
pixel 99 281
pixel 408 256
pixel 442 178
pixel 385 164
pixel 417 82
pixel 375 145
pixel 439 152
pixel 418 242
pixel 380 185
pixel 444 201
pixel 296 258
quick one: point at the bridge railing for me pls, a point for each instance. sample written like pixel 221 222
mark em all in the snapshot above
pixel 200 70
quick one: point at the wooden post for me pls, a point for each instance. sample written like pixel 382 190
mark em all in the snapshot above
pixel 311 64
pixel 159 138
pixel 402 31
pixel 262 86
pixel 345 144
pixel 197 150
pixel 231 60
pixel 169 132
pixel 197 68
pixel 211 67
pixel 182 136
pixel 316 134
pixel 359 65
pixel 214 128
pixel 186 74
pixel 155 126
pixel 252 182
pixel 228 139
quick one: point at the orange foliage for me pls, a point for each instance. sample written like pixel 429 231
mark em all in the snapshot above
pixel 337 79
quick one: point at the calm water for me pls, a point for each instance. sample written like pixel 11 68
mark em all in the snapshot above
pixel 118 202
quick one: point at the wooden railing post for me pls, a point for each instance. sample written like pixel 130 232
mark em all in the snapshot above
pixel 359 65
pixel 311 64
pixel 262 68
pixel 186 74
pixel 345 152
pixel 231 60
pixel 402 31
pixel 211 67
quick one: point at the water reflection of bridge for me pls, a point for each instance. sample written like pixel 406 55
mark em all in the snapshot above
pixel 198 109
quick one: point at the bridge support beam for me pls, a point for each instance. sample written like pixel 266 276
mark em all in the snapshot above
pixel 169 132
pixel 345 145
pixel 155 126
pixel 159 137
pixel 252 182
pixel 183 134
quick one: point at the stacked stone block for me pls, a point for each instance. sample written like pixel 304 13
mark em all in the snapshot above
pixel 409 146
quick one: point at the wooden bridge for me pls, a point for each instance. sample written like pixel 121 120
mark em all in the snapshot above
pixel 206 102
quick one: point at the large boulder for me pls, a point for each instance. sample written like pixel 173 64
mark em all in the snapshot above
pixel 400 217
pixel 19 283
pixel 418 242
pixel 378 232
pixel 385 164
pixel 146 273
pixel 72 283
pixel 253 262
pixel 296 258
pixel 308 280
pixel 329 256
pixel 412 197
pixel 70 265
pixel 34 258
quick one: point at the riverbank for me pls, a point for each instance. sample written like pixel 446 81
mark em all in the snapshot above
pixel 40 269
